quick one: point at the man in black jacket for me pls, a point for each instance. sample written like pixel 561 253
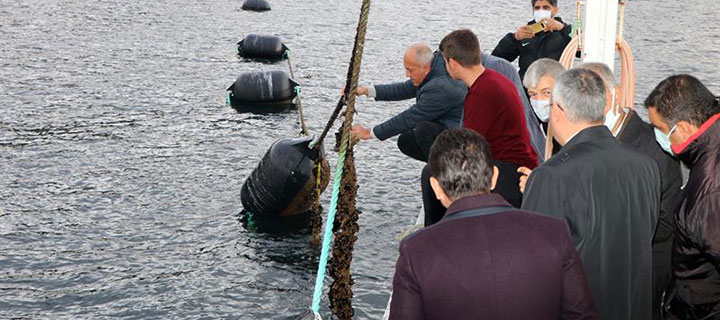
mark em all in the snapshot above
pixel 632 131
pixel 608 194
pixel 529 46
pixel 686 117
pixel 438 103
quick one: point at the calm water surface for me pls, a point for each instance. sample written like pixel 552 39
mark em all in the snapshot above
pixel 121 165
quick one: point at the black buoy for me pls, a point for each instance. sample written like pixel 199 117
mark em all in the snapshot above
pixel 256 5
pixel 262 47
pixel 284 182
pixel 266 91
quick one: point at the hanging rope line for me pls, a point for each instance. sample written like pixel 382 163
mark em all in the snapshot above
pixel 298 100
pixel 345 170
pixel 325 251
pixel 365 9
pixel 316 209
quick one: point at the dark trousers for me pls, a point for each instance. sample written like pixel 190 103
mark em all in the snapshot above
pixel 416 143
pixel 507 187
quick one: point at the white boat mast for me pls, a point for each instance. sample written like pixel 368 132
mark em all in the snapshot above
pixel 599 36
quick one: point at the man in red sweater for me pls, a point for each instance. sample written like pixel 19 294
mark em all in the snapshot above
pixel 492 106
pixel 494 110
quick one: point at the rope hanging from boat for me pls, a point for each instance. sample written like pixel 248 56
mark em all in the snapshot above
pixel 342 202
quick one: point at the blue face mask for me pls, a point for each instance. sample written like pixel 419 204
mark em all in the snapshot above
pixel 541 108
pixel 664 139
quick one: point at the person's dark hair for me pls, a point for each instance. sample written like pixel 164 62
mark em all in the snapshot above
pixel 460 160
pixel 463 46
pixel 552 2
pixel 683 98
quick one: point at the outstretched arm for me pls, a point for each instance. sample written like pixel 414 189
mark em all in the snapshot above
pixel 395 91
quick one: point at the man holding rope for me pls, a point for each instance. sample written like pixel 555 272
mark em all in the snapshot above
pixel 438 103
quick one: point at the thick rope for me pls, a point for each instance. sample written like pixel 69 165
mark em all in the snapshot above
pixel 327 236
pixel 346 227
pixel 316 209
pixel 316 217
pixel 353 69
pixel 343 166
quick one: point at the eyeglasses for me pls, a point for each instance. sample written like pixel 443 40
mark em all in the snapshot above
pixel 553 102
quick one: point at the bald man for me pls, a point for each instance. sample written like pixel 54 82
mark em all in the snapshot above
pixel 438 103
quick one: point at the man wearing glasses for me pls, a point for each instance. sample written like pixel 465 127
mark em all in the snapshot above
pixel 608 194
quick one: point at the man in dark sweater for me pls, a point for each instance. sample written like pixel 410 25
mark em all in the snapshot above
pixel 438 103
pixel 632 131
pixel 530 46
pixel 485 259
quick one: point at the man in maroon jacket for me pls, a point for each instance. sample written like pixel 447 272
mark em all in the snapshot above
pixel 485 259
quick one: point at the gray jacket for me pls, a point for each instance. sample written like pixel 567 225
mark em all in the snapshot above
pixel 438 99
pixel 537 137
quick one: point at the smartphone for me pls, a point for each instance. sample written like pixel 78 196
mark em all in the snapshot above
pixel 538 27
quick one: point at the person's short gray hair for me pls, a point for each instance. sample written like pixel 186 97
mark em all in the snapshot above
pixel 541 68
pixel 423 53
pixel 602 70
pixel 581 94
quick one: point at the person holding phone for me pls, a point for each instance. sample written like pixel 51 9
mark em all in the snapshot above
pixel 546 36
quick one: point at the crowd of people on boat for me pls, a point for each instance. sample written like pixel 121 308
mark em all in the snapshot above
pixel 604 228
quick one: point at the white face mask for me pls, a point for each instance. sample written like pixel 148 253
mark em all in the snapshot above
pixel 541 108
pixel 611 118
pixel 542 14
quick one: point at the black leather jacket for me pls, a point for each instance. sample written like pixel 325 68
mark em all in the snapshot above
pixel 696 255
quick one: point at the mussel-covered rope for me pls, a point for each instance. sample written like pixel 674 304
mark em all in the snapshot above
pixel 344 146
pixel 327 236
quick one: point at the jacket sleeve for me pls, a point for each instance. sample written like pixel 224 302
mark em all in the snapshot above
pixel 508 48
pixel 555 43
pixel 577 300
pixel 432 103
pixel 566 32
pixel 406 300
pixel 669 201
pixel 544 194
pixel 708 207
pixel 395 91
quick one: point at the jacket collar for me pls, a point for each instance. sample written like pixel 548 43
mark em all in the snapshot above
pixel 476 202
pixel 437 68
pixel 708 137
pixel 589 134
